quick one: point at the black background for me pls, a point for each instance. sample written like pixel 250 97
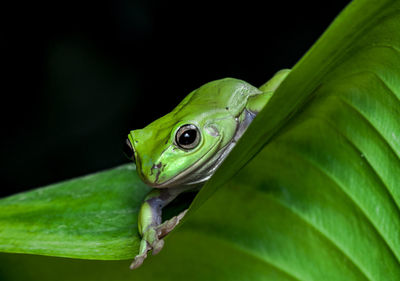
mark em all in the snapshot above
pixel 80 75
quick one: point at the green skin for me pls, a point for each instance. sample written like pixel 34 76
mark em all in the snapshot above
pixel 221 111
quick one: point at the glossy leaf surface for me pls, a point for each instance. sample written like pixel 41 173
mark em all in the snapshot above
pixel 312 190
pixel 91 217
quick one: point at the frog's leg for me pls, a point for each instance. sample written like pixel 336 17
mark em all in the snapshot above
pixel 275 81
pixel 150 223
pixel 257 102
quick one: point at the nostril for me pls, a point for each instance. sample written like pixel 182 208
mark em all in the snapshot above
pixel 128 150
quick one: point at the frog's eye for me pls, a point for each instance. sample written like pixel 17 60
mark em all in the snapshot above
pixel 128 150
pixel 187 136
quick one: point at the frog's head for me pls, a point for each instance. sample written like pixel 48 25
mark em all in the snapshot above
pixel 187 145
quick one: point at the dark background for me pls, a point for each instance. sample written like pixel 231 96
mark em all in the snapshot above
pixel 81 74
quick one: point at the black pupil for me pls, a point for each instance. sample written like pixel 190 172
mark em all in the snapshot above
pixel 188 137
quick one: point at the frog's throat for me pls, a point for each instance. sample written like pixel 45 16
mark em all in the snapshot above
pixel 198 173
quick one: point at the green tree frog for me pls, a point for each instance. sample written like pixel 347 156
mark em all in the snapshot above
pixel 182 150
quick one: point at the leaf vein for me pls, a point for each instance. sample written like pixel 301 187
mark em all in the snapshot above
pixel 382 183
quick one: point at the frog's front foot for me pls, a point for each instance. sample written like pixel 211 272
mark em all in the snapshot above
pixel 152 239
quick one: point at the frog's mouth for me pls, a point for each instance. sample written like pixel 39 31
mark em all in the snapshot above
pixel 185 177
pixel 201 170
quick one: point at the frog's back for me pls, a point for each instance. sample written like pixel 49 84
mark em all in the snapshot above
pixel 227 94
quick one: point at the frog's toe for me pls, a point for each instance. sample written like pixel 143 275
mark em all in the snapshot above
pixel 167 226
pixel 148 242
pixel 138 261
pixel 144 248
pixel 157 247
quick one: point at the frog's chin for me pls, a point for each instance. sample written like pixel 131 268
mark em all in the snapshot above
pixel 178 180
pixel 172 183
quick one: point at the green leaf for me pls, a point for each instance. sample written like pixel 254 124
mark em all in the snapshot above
pixel 311 191
pixel 93 217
